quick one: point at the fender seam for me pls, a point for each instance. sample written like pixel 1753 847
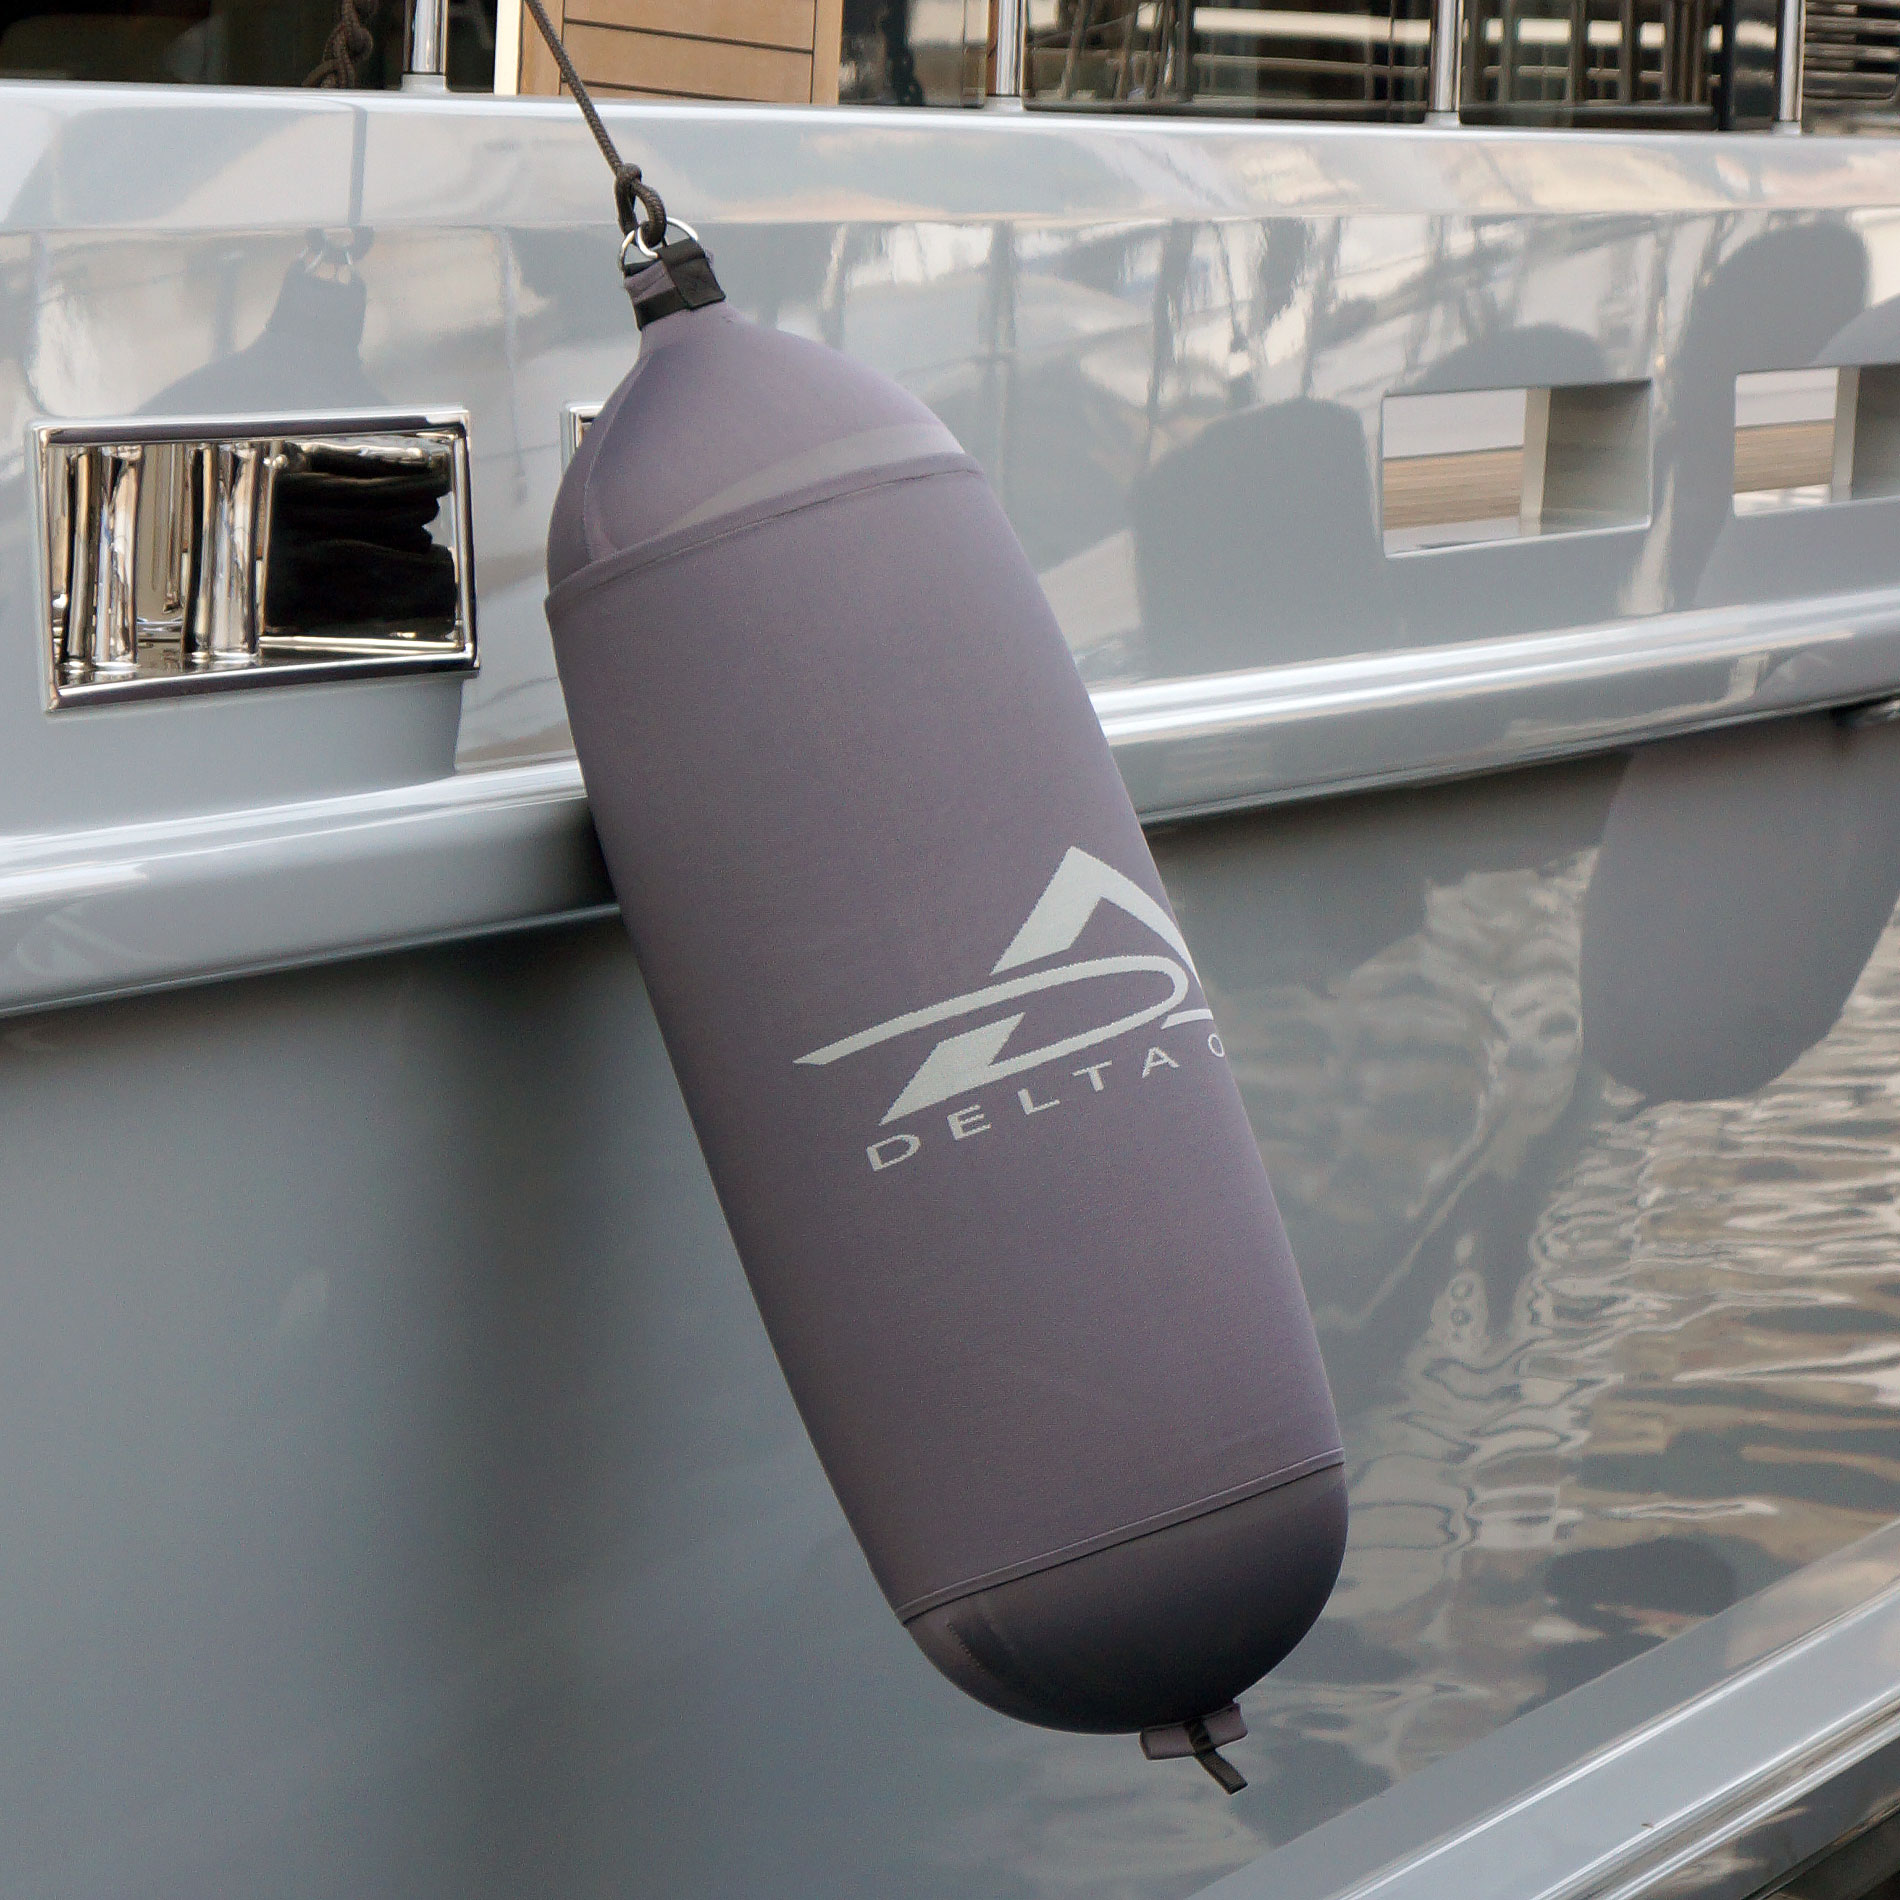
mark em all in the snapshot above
pixel 1125 1534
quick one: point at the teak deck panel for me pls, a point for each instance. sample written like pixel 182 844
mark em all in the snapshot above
pixel 777 51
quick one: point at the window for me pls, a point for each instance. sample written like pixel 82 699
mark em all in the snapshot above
pixel 1359 59
pixel 1805 437
pixel 223 42
pixel 1497 464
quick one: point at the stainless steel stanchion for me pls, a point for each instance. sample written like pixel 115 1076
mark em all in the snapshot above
pixel 1448 19
pixel 1788 65
pixel 427 67
pixel 1012 26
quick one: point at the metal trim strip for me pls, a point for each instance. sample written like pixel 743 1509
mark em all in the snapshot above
pixel 148 906
pixel 1193 746
pixel 1758 1740
pixel 122 909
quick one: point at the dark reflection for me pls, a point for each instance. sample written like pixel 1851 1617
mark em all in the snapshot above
pixel 1772 303
pixel 350 541
pixel 1604 1366
pixel 1872 337
pixel 230 42
pixel 1262 530
pixel 1255 536
pixel 1184 419
pixel 1052 424
pixel 1505 354
pixel 1744 880
pixel 311 342
pixel 1471 592
pixel 1841 549
pixel 1379 1053
pixel 187 42
pixel 878 63
pixel 1865 1866
pixel 909 53
pixel 1355 876
pixel 1631 1597
pixel 1059 446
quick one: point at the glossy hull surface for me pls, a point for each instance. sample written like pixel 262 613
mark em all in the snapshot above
pixel 397 1493
pixel 401 1491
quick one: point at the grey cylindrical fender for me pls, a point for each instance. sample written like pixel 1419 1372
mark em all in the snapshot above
pixel 944 1046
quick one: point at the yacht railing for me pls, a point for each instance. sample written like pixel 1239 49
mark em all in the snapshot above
pixel 1006 57
pixel 1448 17
pixel 1788 63
pixel 426 52
pixel 1683 64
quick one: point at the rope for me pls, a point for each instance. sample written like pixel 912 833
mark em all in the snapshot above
pixel 350 40
pixel 632 194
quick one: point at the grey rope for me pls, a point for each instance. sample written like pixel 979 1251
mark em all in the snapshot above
pixel 632 194
pixel 350 40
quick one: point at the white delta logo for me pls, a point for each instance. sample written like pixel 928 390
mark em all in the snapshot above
pixel 961 1064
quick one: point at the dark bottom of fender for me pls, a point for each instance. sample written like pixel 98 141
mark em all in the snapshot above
pixel 1160 1629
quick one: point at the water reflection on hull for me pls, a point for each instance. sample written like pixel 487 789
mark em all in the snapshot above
pixel 1604 1365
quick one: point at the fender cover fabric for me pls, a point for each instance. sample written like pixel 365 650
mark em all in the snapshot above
pixel 942 1042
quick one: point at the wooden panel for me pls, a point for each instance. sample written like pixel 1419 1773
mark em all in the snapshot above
pixel 827 49
pixel 694 49
pixel 688 68
pixel 782 23
pixel 1784 455
pixel 1426 491
pixel 538 70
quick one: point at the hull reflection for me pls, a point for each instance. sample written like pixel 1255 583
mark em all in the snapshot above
pixel 1604 1365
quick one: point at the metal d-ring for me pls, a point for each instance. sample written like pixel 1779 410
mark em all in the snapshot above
pixel 635 242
